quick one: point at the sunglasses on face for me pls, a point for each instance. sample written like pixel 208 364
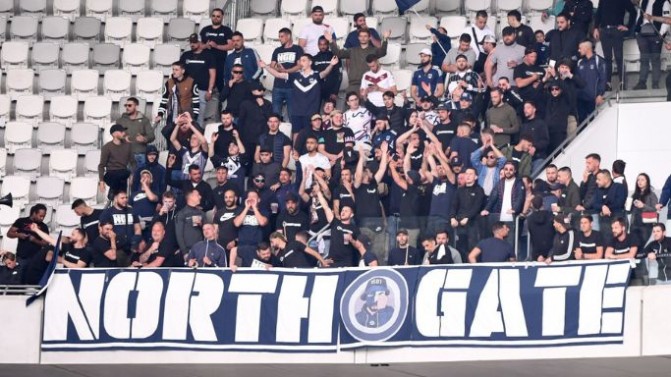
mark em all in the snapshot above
pixel 259 180
pixel 237 72
pixel 128 105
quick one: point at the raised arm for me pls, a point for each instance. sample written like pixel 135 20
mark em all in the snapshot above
pixel 358 174
pixel 327 71
pixel 173 137
pixel 273 71
pixel 379 174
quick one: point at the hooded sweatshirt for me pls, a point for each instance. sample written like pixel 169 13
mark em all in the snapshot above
pixel 541 232
pixel 157 171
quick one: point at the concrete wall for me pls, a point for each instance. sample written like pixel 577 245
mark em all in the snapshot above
pixel 21 330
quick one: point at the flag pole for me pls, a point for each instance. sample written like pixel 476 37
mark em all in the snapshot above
pixel 412 8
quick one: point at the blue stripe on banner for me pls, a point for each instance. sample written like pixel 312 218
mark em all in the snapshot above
pixel 49 272
pixel 282 310
pixel 404 5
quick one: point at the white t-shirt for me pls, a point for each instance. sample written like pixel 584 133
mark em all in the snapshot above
pixel 318 161
pixel 507 200
pixel 311 33
pixel 479 33
pixel 359 122
pixel 383 79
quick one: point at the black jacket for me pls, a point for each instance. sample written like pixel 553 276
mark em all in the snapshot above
pixel 564 44
pixel 235 95
pixel 581 12
pixel 206 195
pixel 253 120
pixel 538 129
pixel 562 246
pixel 557 111
pixel 541 232
pixel 468 203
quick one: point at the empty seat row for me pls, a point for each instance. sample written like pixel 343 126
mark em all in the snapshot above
pixel 103 9
pixel 117 30
pixel 49 191
pixel 30 110
pixel 74 56
pixel 51 136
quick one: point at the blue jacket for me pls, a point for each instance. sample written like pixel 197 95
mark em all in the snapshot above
pixel 613 197
pixel 495 202
pixel 476 162
pixel 248 58
pixel 593 72
pixel 666 195
pixel 438 53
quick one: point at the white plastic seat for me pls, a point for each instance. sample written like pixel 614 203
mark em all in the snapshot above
pixel 330 7
pixel 3 27
pixel 63 110
pixel 6 8
pixel 164 56
pixel 412 51
pixel 272 28
pixel 45 56
pixel 19 82
pixel 65 219
pixel 67 9
pixel 472 6
pixel 179 30
pixel 105 56
pixel 536 22
pixel 149 85
pixel 136 57
pixel 51 83
pixel 149 31
pixel 265 52
pixel 84 83
pixel 418 31
pixel 85 188
pixel 118 30
pixel 98 110
pixel 84 137
pixel 75 56
pixel 539 6
pixel 131 8
pixel 448 7
pixel 23 28
pixel 196 9
pixel 27 163
pixel 14 55
pixel 116 84
pixel 294 9
pixel 87 29
pixel 34 8
pixel 3 162
pixel 9 244
pixel 63 164
pixel 8 215
pixel 398 26
pixel 384 8
pixel 165 9
pixel 263 8
pixel 18 135
pixel 392 59
pixel 100 9
pixel 50 136
pixel 56 29
pixel 423 7
pixel 19 187
pixel 505 6
pixel 50 191
pixel 251 28
pixel 351 7
pixel 454 25
pixel 297 25
pixel 632 56
pixel 91 161
pixel 5 108
pixel 340 26
pixel 30 109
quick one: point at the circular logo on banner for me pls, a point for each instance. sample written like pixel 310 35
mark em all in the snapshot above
pixel 374 306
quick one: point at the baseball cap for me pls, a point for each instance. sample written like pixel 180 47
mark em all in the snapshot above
pixel 193 38
pixel 382 117
pixel 456 161
pixel 426 51
pixel 466 96
pixel 291 197
pixel 374 285
pixel 461 56
pixel 317 8
pixel 255 85
pixel 488 39
pixel 316 116
pixel 554 84
pixel 453 85
pixel 402 231
pixel 442 107
pixel 221 165
pixel 266 149
pixel 151 149
pixel 117 128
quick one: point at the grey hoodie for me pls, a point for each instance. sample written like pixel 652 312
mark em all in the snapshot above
pixel 187 234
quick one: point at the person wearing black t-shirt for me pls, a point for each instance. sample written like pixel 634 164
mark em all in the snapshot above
pixel 528 77
pixel 296 253
pixel 260 256
pixel 104 248
pixel 315 131
pixel 494 249
pixel 217 39
pixel 228 232
pixel 291 219
pixel 368 206
pixel 200 65
pixel 330 84
pixel 622 245
pixel 195 181
pixel 659 250
pixel 588 242
pixel 29 242
pixel 222 185
pixel 126 225
pixel 74 252
pixel 159 253
pixel 404 254
pixel 563 243
pixel 435 253
pixel 344 235
pixel 334 140
pixel 224 136
pixel 88 218
pixel 466 207
pixel 166 215
pixel 274 141
pixel 442 181
pixel 284 59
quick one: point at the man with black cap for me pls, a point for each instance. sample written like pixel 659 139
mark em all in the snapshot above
pixel 524 33
pixel 404 254
pixel 427 80
pixel 200 64
pixel 310 34
pixel 291 219
pixel 157 172
pixel 236 90
pixel 222 185
pixel 505 58
pixel 115 159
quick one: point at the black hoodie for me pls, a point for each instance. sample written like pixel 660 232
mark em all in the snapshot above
pixel 541 232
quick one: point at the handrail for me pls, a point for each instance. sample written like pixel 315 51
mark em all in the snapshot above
pixel 15 290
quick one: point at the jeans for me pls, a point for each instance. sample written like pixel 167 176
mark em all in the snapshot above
pixel 280 97
pixel 650 47
pixel 585 108
pixel 116 180
pixel 612 41
pixel 208 109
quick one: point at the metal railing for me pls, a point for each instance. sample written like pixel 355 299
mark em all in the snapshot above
pixel 16 290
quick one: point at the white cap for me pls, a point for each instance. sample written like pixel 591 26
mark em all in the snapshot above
pixel 426 51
